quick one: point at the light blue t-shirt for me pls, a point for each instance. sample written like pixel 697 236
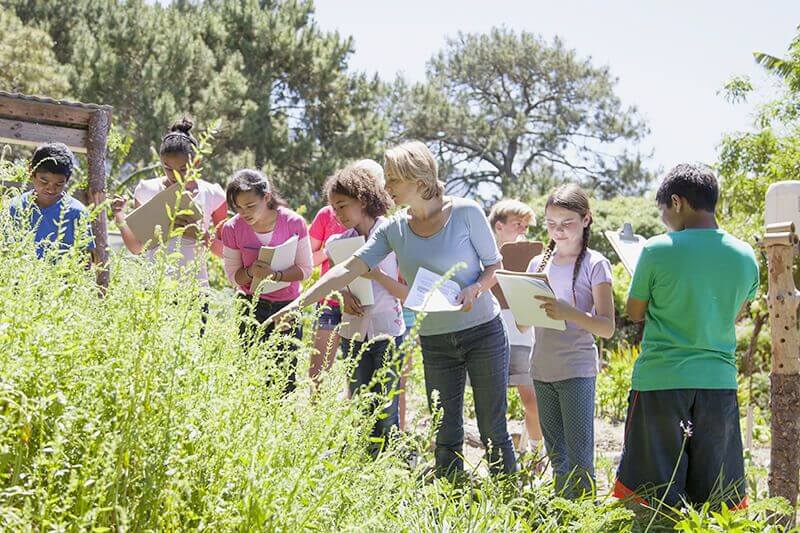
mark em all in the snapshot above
pixel 56 225
pixel 464 238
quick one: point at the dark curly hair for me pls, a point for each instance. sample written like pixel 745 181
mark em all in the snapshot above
pixel 359 184
pixel 53 157
pixel 695 183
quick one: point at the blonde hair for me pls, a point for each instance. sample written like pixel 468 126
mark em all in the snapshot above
pixel 510 208
pixel 413 161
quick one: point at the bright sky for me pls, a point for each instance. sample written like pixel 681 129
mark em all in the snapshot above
pixel 671 57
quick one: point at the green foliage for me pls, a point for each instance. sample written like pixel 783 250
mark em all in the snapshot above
pixel 117 415
pixel 279 84
pixel 614 383
pixel 520 113
pixel 750 161
pixel 27 62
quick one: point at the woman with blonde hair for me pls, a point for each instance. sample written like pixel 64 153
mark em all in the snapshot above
pixel 436 232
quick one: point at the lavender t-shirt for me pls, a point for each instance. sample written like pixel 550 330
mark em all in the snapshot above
pixel 560 355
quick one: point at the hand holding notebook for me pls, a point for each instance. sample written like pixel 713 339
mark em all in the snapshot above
pixel 151 222
pixel 521 290
pixel 339 251
pixel 279 258
pixel 431 293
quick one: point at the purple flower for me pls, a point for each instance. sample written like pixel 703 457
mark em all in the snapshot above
pixel 687 428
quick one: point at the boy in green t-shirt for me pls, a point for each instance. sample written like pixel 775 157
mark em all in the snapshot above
pixel 689 286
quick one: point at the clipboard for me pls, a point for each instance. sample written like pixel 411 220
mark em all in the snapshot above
pixel 516 258
pixel 627 245
pixel 150 222
pixel 522 289
pixel 339 251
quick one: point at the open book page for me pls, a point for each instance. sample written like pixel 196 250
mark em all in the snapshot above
pixel 521 290
pixel 627 245
pixel 339 251
pixel 280 258
pixel 431 293
pixel 150 222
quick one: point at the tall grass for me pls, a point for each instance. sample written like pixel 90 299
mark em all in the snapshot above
pixel 116 414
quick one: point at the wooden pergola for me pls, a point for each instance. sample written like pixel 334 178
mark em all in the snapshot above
pixel 31 120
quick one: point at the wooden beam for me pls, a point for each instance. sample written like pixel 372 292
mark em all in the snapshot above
pixel 96 159
pixel 45 113
pixel 30 134
pixel 783 299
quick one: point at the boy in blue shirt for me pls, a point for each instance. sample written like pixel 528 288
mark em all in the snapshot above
pixel 689 286
pixel 56 218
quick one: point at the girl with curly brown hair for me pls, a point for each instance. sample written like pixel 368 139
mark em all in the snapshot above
pixel 370 333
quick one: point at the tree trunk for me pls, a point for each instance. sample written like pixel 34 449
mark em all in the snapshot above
pixel 785 377
pixel 96 194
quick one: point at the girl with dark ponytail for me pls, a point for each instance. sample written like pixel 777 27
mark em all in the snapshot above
pixel 565 363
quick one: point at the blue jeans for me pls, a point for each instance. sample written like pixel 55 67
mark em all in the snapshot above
pixel 566 415
pixel 372 357
pixel 482 351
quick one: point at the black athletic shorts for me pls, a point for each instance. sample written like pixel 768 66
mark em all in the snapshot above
pixel 710 461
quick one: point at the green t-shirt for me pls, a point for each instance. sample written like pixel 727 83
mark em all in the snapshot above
pixel 695 282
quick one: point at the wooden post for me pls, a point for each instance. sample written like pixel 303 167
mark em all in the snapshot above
pixel 96 194
pixel 780 242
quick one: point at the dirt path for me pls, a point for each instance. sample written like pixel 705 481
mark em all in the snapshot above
pixel 608 446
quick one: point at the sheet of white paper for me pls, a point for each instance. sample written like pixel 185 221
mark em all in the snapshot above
pixel 282 259
pixel 521 294
pixel 340 250
pixel 628 248
pixel 431 293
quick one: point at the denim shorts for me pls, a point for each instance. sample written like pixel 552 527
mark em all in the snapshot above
pixel 330 317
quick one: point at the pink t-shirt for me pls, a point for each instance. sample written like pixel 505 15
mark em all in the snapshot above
pixel 324 226
pixel 239 235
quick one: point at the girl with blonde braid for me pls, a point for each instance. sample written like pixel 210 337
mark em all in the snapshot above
pixel 565 363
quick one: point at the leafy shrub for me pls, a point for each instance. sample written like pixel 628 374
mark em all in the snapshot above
pixel 614 382
pixel 115 414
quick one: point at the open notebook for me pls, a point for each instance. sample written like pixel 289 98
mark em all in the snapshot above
pixel 279 258
pixel 521 289
pixel 339 251
pixel 150 222
pixel 431 293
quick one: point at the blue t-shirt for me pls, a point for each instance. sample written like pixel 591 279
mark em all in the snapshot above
pixel 57 224
pixel 464 238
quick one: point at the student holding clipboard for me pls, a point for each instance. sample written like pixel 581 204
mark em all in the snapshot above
pixel 370 333
pixel 509 220
pixel 178 152
pixel 565 363
pixel 262 219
